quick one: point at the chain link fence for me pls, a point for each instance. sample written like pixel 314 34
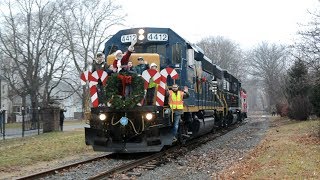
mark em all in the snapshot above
pixel 24 124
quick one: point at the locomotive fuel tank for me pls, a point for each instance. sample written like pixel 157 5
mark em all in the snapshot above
pixel 202 123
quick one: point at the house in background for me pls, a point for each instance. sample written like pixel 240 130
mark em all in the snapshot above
pixel 67 99
pixel 62 94
pixel 5 103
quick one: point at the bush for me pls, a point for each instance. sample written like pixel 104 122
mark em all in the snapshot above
pixel 299 108
pixel 315 99
pixel 282 109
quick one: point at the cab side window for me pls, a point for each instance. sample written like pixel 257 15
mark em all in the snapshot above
pixel 111 49
pixel 176 53
pixel 160 49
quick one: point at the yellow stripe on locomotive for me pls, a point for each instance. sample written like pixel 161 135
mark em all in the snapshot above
pixel 148 57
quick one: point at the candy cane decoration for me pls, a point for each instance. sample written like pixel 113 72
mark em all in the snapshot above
pixel 161 89
pixel 94 95
pixel 87 76
pixel 148 74
pixel 100 74
pixel 96 75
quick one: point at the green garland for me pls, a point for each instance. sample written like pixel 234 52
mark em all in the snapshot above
pixel 113 95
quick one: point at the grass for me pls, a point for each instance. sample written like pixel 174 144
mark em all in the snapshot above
pixel 19 124
pixel 45 147
pixel 291 150
pixel 13 125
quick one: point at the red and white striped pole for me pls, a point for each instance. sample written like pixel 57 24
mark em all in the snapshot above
pixel 102 75
pixel 147 75
pixel 161 89
pixel 87 76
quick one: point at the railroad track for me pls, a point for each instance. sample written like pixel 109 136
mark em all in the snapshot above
pixel 150 162
pixel 62 168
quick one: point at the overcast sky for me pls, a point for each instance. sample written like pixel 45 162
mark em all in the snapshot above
pixel 246 22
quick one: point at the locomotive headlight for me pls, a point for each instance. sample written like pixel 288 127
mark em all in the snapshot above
pixel 149 116
pixel 102 117
pixel 141 31
pixel 141 37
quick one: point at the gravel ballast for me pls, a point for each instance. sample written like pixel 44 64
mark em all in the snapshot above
pixel 206 161
pixel 203 162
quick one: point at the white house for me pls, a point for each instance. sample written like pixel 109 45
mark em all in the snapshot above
pixel 5 103
pixel 62 94
pixel 68 100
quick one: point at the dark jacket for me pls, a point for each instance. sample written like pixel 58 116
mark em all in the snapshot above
pixel 110 72
pixel 61 116
pixel 140 68
pixel 96 66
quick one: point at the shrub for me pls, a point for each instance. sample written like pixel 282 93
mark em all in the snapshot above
pixel 299 108
pixel 315 99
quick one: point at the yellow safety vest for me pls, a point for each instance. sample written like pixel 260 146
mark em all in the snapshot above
pixel 152 84
pixel 176 100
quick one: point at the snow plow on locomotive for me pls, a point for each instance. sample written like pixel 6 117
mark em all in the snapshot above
pixel 124 120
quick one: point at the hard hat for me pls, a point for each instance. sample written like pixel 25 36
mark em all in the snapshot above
pixel 153 64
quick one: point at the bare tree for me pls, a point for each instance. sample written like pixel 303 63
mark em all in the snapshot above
pixel 31 45
pixel 225 53
pixel 87 26
pixel 307 48
pixel 268 64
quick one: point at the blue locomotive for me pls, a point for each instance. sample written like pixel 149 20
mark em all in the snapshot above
pixel 125 123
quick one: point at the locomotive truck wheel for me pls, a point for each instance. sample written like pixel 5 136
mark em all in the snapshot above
pixel 182 133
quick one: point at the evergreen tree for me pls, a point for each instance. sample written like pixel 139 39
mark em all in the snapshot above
pixel 297 91
pixel 297 80
pixel 315 96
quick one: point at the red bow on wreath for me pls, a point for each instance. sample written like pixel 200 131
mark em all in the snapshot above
pixel 124 80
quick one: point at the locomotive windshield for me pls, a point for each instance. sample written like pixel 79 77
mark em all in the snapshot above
pixel 146 48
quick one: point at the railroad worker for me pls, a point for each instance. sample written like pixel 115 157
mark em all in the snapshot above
pixel 142 65
pixel 123 59
pixel 152 87
pixel 176 104
pixel 61 118
pixel 99 63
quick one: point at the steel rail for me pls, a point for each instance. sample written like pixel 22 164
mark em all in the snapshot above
pixel 131 165
pixel 55 170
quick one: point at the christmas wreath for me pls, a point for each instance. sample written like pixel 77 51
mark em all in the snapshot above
pixel 115 89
